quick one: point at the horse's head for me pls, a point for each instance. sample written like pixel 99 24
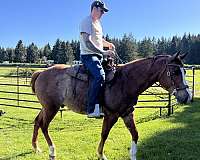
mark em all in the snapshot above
pixel 172 78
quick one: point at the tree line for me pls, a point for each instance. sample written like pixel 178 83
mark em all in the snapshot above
pixel 127 47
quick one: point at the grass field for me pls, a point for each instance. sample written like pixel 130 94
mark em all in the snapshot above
pixel 76 137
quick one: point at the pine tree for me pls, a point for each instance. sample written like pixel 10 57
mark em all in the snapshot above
pixel 20 52
pixel 47 51
pixel 76 49
pixel 146 48
pixel 32 53
pixel 56 51
pixel 175 45
pixel 162 46
pixel 10 52
pixel 69 53
pixel 128 48
pixel 2 55
pixel 62 54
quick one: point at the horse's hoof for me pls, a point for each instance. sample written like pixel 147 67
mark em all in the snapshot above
pixel 102 157
pixel 37 150
pixel 133 157
pixel 52 157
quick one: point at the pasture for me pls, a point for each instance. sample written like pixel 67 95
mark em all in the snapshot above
pixel 76 137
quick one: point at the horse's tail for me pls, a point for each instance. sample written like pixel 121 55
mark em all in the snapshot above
pixel 33 79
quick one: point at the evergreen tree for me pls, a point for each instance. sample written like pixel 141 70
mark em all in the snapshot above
pixel 10 52
pixel 174 45
pixel 32 53
pixel 162 46
pixel 75 45
pixel 128 48
pixel 146 48
pixel 185 46
pixel 117 43
pixel 62 54
pixel 56 51
pixel 194 52
pixel 47 51
pixel 20 52
pixel 107 38
pixel 2 55
pixel 70 55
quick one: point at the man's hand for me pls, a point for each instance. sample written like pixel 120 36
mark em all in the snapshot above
pixel 111 46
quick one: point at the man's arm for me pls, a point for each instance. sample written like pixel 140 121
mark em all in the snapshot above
pixel 89 44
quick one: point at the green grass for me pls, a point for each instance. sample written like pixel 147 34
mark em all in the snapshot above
pixel 76 137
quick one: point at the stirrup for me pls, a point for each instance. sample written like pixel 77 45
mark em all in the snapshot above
pixel 102 114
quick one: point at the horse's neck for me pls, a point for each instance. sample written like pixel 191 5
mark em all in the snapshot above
pixel 143 75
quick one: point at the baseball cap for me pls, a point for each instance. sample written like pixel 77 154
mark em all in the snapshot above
pixel 98 3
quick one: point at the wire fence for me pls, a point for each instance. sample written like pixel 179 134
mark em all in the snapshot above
pixel 15 90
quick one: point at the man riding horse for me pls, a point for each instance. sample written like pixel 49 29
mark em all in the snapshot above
pixel 91 46
pixel 59 86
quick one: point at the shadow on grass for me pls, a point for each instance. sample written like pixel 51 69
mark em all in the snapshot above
pixel 179 143
pixel 17 155
pixel 11 122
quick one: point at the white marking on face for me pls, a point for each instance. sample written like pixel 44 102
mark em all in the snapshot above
pixel 185 83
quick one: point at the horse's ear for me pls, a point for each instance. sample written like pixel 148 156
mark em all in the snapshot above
pixel 175 56
pixel 182 56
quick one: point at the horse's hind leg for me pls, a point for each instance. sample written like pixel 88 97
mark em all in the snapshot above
pixel 48 114
pixel 108 123
pixel 37 123
pixel 42 121
pixel 130 124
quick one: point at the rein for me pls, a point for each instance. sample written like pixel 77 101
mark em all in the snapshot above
pixel 117 58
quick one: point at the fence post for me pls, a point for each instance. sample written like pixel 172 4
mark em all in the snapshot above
pixel 61 113
pixel 18 86
pixel 160 111
pixel 193 81
pixel 169 105
pixel 26 74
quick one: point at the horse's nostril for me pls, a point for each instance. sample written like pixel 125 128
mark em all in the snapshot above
pixel 183 96
pixel 182 100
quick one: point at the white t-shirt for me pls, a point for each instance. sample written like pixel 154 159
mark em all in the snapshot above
pixel 95 30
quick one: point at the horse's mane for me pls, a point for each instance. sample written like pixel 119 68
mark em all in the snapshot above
pixel 154 58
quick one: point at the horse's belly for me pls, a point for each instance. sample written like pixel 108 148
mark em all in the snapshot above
pixel 76 95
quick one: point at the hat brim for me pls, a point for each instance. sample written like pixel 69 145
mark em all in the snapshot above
pixel 105 9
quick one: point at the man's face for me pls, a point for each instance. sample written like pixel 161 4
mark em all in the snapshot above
pixel 98 12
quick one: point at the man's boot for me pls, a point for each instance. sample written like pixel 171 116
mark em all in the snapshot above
pixel 96 113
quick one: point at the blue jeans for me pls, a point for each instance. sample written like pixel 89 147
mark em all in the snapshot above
pixel 97 77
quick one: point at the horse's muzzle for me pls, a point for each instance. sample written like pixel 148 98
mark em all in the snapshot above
pixel 183 96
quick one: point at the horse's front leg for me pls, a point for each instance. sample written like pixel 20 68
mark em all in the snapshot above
pixel 108 123
pixel 130 124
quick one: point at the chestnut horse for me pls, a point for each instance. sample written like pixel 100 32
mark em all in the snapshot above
pixel 55 87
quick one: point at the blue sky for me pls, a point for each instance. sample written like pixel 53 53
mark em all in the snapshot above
pixel 43 21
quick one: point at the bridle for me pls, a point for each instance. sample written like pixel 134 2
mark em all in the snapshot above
pixel 171 76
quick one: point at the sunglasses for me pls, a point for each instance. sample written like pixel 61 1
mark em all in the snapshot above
pixel 101 10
